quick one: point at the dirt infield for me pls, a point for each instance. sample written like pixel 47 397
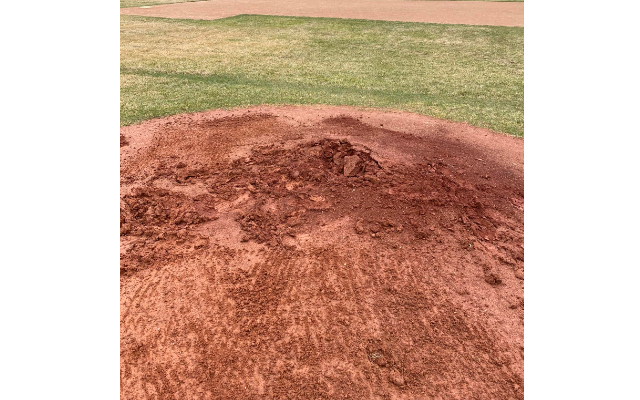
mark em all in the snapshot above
pixel 442 12
pixel 320 252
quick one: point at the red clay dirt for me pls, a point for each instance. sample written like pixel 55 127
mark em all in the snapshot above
pixel 320 253
pixel 441 12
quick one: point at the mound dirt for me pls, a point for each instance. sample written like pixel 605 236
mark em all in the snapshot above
pixel 320 253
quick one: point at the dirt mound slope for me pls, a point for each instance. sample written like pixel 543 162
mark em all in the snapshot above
pixel 320 253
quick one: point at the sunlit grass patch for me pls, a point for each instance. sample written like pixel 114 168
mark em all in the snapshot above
pixel 473 74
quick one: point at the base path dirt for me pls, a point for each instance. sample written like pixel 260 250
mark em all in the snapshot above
pixel 442 12
pixel 320 253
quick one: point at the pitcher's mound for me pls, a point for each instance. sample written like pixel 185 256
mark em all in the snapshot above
pixel 320 252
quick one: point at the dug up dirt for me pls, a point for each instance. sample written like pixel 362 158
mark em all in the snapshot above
pixel 320 253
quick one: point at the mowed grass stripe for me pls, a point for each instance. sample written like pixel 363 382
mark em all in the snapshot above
pixel 471 74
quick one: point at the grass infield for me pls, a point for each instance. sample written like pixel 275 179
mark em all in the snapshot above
pixel 465 73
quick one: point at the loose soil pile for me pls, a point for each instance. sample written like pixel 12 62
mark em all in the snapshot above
pixel 307 253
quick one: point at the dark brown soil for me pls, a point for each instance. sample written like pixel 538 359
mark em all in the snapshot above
pixel 307 253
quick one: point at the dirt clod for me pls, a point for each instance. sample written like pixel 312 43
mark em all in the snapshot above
pixel 396 378
pixel 352 165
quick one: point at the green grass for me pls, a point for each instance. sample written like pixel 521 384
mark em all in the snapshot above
pixel 139 3
pixel 473 74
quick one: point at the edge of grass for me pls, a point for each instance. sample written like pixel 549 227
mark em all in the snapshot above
pixel 276 90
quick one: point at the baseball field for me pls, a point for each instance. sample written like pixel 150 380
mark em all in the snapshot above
pixel 322 200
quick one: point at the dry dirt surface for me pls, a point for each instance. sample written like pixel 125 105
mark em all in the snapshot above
pixel 320 253
pixel 442 12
